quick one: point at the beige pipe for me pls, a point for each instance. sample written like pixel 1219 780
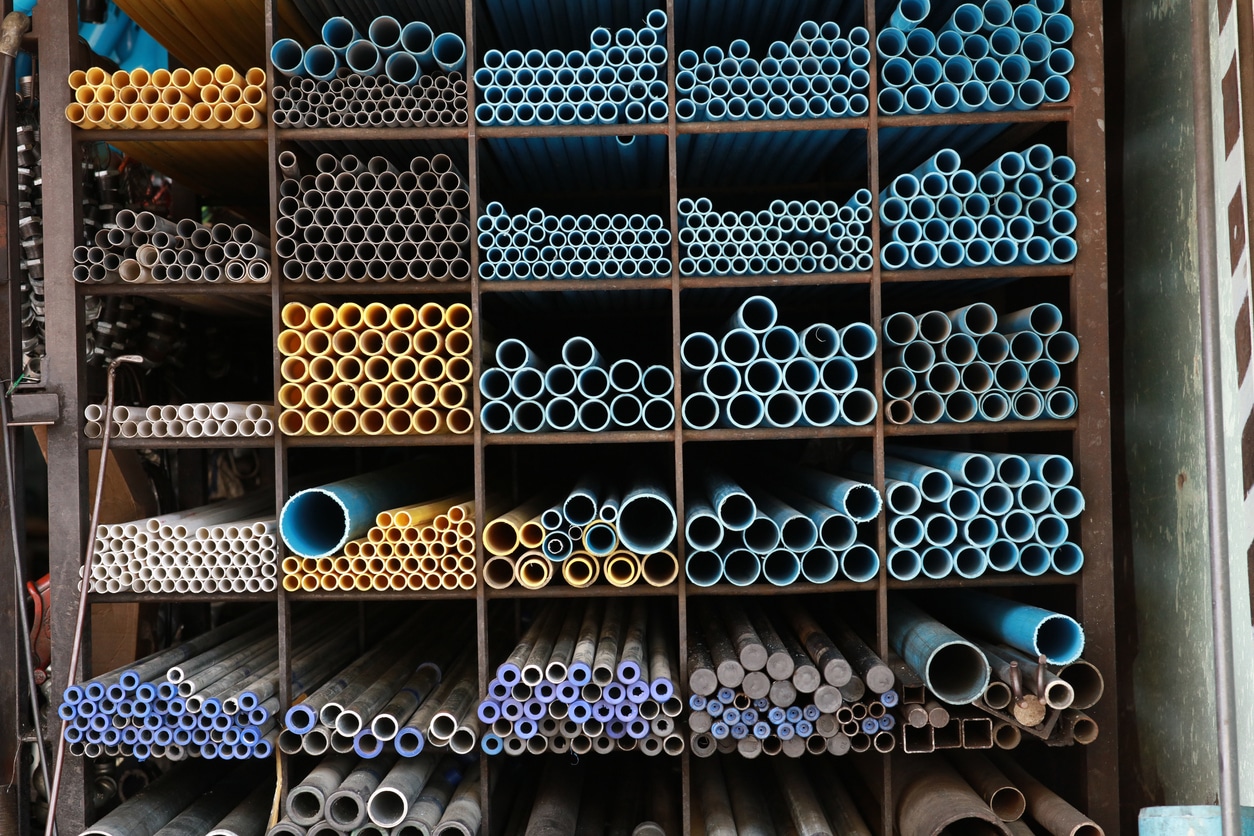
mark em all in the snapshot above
pixel 530 533
pixel 373 422
pixel 371 342
pixel 226 74
pixel 225 116
pixel 460 420
pixel 291 565
pixel 376 315
pixel 255 76
pixel 248 116
pixel 400 422
pixel 371 395
pixel 534 570
pixel 318 422
pixel 399 343
pixel 149 95
pixel 291 583
pixel 432 315
pixel 120 116
pixel 292 422
pixel 323 317
pixel 140 77
pixel 404 370
pixel 254 95
pixel 622 568
pixel 466 580
pixel 458 343
pixel 106 94
pixel 345 395
pixel 160 77
pixel 318 343
pixel 161 117
pixel 403 317
pixel 501 536
pixel 397 395
pixel 181 115
pixel 291 396
pixel 459 369
pixel 98 116
pixel 75 113
pixel 345 422
pixel 202 116
pixel 349 370
pixel 202 76
pixel 417 515
pixel 659 569
pixel 128 95
pixel 140 116
pixel 120 78
pixel 85 95
pixel 580 570
pixel 425 393
pixel 295 369
pixel 78 78
pixel 95 76
pixel 428 422
pixel 452 395
pixel 378 369
pixel 172 96
pixel 432 368
pixel 316 396
pixel 458 316
pixel 323 369
pixel 427 341
pixel 349 315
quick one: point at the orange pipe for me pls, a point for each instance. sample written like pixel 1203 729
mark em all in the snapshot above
pixel 432 316
pixel 95 76
pixel 349 370
pixel 460 420
pixel 427 421
pixel 458 316
pixel 291 396
pixel 345 422
pixel 292 422
pixel 425 393
pixel 316 395
pixel 376 315
pixel 348 315
pixel 323 317
pixel 403 317
pixel 295 369
pixel 323 369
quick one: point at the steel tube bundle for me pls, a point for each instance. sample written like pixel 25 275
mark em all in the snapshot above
pixel 939 368
pixel 143 248
pixel 194 798
pixel 375 370
pixel 790 237
pixel 364 101
pixel 226 546
pixel 587 676
pixel 969 512
pixel 623 82
pixel 205 98
pixel 818 74
pixel 537 245
pixel 732 796
pixel 1019 210
pixel 217 419
pixel 370 221
pixel 615 796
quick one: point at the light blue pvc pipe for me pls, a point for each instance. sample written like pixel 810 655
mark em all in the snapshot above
pixel 757 314
pixel 449 52
pixel 858 341
pixel 743 411
pixel 1039 632
pixel 1051 530
pixel 700 411
pixel 1060 403
pixel 974 469
pixel 1051 469
pixel 364 58
pixel 417 39
pixel 1003 555
pixel 528 417
pixel 317 522
pixel 338 33
pixel 513 354
pixel 970 561
pixel 402 68
pixel 562 414
pixel 860 563
pixel 288 57
pixel 1066 559
pixel 975 320
pixel 904 564
pixel 820 565
pixel 954 669
pixel 940 529
pixel 321 62
pixel 820 342
pixel 703 531
pixel 781 567
pixel 741 567
pixel 902 497
pixel 1033 559
pixel 698 351
pixel 935 485
pixel 905 531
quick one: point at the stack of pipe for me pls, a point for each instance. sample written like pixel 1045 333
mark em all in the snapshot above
pixel 780 683
pixel 430 795
pixel 584 393
pixel 203 98
pixel 222 547
pixel 621 79
pixel 375 370
pixel 359 222
pixel 402 52
pixel 791 522
pixel 758 373
pixel 429 545
pixel 622 531
pixel 967 365
pixel 817 75
pixel 362 101
pixel 790 237
pixel 1016 211
pixel 730 796
pixel 970 512
pixel 621 796
pixel 985 58
pixel 594 676
pixel 217 419
pixel 537 245
pixel 143 248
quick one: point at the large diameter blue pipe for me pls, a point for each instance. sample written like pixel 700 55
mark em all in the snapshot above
pixel 954 669
pixel 646 519
pixel 1038 632
pixel 317 522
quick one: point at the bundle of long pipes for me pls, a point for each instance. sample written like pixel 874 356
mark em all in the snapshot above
pixel 359 222
pixel 1016 211
pixel 585 392
pixel 433 794
pixel 768 157
pixel 375 370
pixel 544 164
pixel 221 547
pixel 790 522
pixel 986 57
pixel 620 796
pixel 594 676
pixel 970 365
pixel 758 373
pixel 430 545
pixel 216 419
pixel 403 52
pixel 620 79
pixel 537 245
pixel 778 682
pixel 818 74
pixel 623 531
pixel 730 797
pixel 141 248
pixel 205 98
pixel 364 101
pixel 790 237
pixel 971 512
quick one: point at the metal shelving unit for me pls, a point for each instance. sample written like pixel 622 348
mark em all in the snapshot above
pixel 1091 593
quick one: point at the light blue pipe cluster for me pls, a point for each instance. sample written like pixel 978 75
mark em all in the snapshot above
pixel 537 245
pixel 641 510
pixel 789 522
pixel 1019 210
pixel 583 393
pixel 985 58
pixel 620 79
pixel 790 237
pixel 402 52
pixel 819 74
pixel 966 513
pixel 967 365
pixel 758 373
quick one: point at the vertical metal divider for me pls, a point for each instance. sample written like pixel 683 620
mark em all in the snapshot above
pixel 57 26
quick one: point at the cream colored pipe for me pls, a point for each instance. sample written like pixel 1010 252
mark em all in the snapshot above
pixel 580 570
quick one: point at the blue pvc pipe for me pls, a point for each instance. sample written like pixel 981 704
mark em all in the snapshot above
pixel 1059 638
pixel 317 522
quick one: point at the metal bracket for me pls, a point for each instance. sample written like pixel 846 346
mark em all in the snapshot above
pixel 31 409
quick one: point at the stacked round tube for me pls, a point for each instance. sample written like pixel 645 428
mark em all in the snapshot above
pixel 432 794
pixel 623 533
pixel 967 513
pixel 583 393
pixel 143 248
pixel 587 677
pixel 1016 211
pixel 205 98
pixel 430 545
pixel 222 547
pixel 375 370
pixel 218 419
pixel 370 222
pixel 402 52
pixel 758 373
pixel 620 79
pixel 793 523
pixel 970 365
pixel 985 58
pixel 363 101
pixel 817 75
pixel 732 796
pixel 790 237
pixel 537 245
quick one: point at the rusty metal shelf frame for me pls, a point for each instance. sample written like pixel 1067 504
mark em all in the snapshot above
pixel 1089 431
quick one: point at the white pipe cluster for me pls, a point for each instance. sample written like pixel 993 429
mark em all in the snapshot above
pixel 216 419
